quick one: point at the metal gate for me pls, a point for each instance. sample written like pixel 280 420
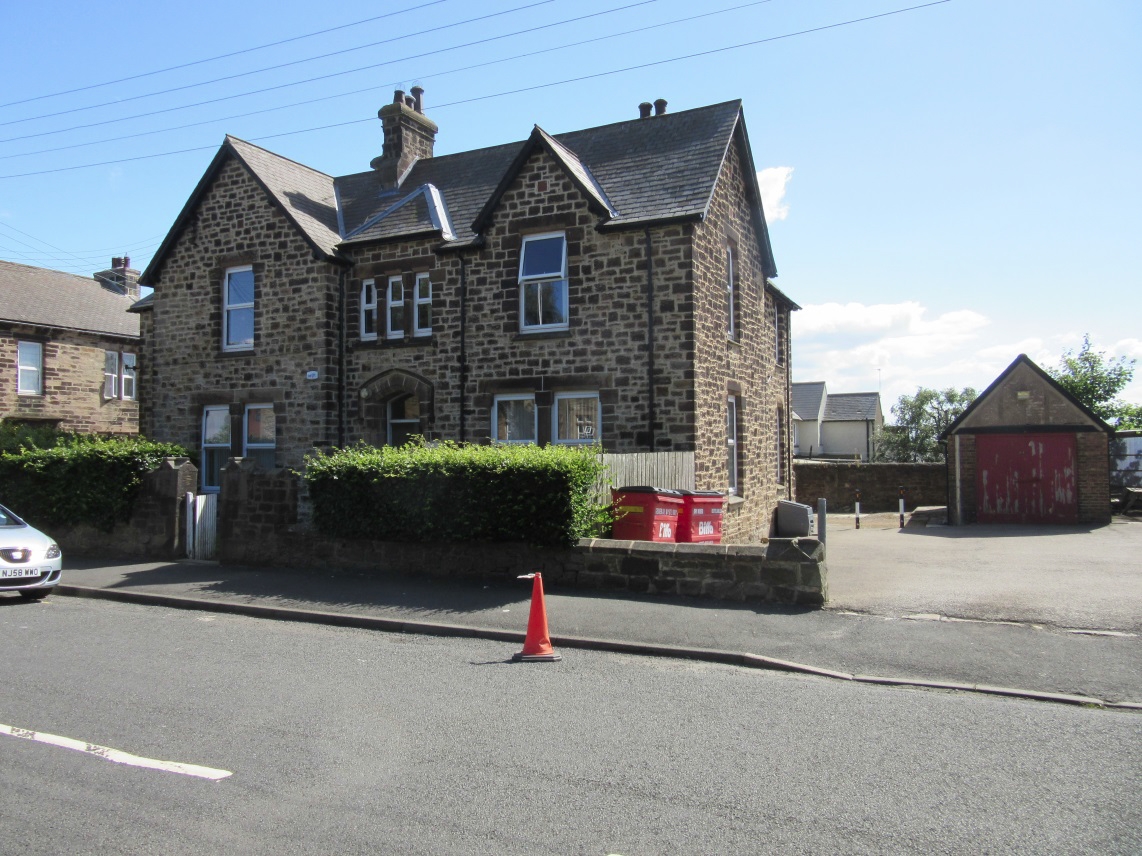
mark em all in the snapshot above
pixel 1026 478
pixel 201 525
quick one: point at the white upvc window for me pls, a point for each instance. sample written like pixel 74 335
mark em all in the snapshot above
pixel 368 321
pixel 238 309
pixel 29 368
pixel 128 373
pixel 110 374
pixel 543 282
pixel 514 419
pixel 215 446
pixel 260 430
pixel 576 418
pixel 394 308
pixel 731 294
pixel 780 445
pixel 422 306
pixel 732 445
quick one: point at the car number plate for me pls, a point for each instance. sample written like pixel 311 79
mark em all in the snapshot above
pixel 17 573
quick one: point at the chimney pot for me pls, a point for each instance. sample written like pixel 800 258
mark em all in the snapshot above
pixel 418 98
pixel 659 106
pixel 409 102
pixel 398 96
pixel 644 110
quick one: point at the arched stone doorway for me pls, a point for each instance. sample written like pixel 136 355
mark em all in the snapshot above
pixel 395 405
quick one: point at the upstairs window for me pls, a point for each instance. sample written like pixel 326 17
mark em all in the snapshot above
pixel 577 418
pixel 394 308
pixel 422 306
pixel 731 294
pixel 238 309
pixel 110 374
pixel 543 283
pixel 514 419
pixel 260 432
pixel 29 368
pixel 368 320
pixel 780 320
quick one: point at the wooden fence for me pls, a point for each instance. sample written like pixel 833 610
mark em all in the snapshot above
pixel 660 469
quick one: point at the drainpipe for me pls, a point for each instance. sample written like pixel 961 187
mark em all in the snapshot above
pixel 463 349
pixel 341 334
pixel 650 342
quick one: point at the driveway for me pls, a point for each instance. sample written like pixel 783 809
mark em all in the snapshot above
pixel 1065 576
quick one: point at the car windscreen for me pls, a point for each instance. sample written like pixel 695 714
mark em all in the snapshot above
pixel 7 518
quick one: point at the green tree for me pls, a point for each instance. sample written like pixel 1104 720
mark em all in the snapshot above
pixel 1095 380
pixel 920 419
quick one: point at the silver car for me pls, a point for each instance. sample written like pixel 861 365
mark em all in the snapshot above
pixel 30 561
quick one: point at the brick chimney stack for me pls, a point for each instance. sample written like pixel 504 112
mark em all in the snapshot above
pixel 121 277
pixel 409 136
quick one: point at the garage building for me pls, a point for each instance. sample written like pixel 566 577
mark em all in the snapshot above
pixel 1027 451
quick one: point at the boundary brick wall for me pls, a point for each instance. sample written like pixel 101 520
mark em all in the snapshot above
pixel 879 484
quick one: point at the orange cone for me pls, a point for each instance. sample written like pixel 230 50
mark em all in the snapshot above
pixel 537 643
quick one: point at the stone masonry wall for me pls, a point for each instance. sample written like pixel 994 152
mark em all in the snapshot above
pixel 295 325
pixel 157 525
pixel 604 348
pixel 72 381
pixel 257 526
pixel 879 484
pixel 744 366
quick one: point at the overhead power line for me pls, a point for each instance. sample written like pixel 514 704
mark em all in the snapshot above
pixel 221 56
pixel 116 101
pixel 433 75
pixel 474 99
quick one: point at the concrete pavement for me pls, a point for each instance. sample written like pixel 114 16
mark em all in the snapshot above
pixel 883 623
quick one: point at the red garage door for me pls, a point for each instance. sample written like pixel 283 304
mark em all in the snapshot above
pixel 1026 478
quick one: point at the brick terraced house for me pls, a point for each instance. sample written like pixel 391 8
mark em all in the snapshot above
pixel 70 348
pixel 610 285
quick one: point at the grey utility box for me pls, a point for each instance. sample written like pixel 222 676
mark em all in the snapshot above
pixel 794 520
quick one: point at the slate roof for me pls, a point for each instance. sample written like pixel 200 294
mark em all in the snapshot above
pixel 636 172
pixel 807 399
pixel 852 407
pixel 52 298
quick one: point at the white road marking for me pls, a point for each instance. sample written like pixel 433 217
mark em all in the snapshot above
pixel 115 755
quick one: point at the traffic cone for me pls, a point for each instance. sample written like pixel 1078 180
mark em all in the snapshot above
pixel 537 643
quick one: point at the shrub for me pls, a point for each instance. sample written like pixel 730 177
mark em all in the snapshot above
pixel 450 492
pixel 83 479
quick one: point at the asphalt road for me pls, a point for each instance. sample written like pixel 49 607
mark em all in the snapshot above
pixel 348 741
pixel 1062 576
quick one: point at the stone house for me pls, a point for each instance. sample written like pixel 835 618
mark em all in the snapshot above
pixel 610 286
pixel 70 348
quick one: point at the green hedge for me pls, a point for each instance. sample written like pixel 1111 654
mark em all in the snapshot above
pixel 84 479
pixel 449 492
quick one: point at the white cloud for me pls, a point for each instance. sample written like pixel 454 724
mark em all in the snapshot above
pixel 893 348
pixel 772 182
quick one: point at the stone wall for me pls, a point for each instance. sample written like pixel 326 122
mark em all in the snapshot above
pixel 295 325
pixel 157 526
pixel 879 484
pixel 72 381
pixel 256 527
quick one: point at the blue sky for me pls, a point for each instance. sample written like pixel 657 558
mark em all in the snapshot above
pixel 946 187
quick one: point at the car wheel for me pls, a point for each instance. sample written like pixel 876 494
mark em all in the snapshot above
pixel 35 594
